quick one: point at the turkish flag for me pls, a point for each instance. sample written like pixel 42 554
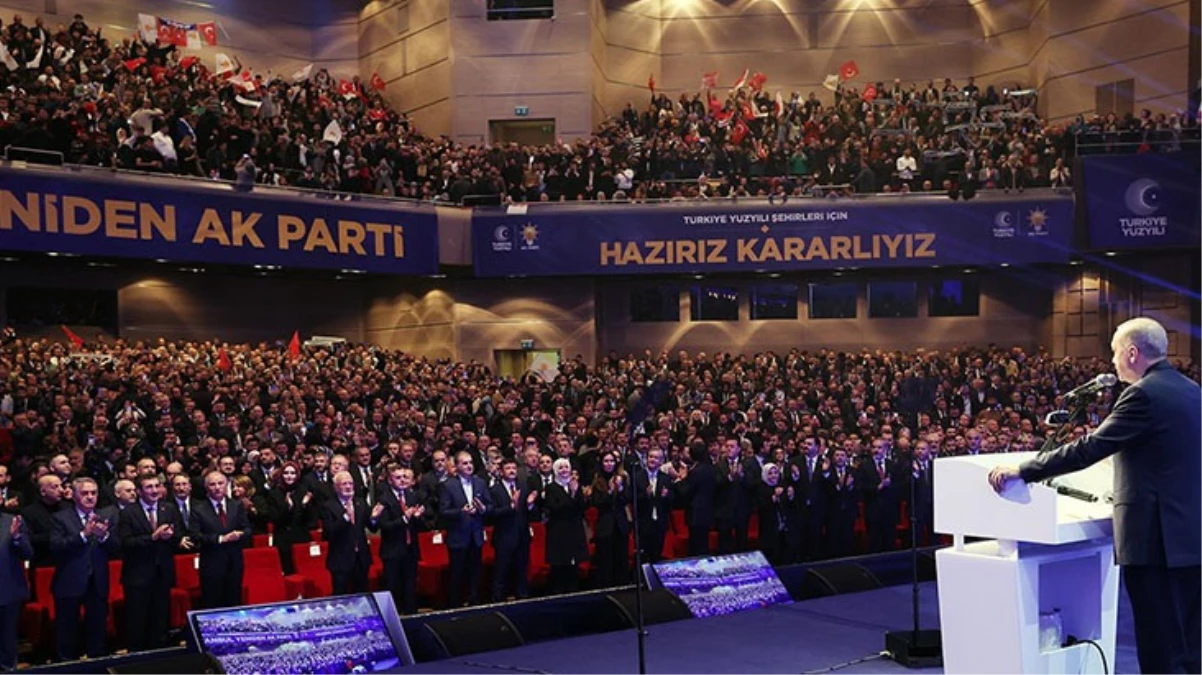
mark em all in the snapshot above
pixel 709 80
pixel 208 32
pixel 757 81
pixel 188 61
pixel 377 114
pixel 869 93
pixel 739 132
pixel 75 339
pixel 849 70
pixel 346 89
pixel 294 346
pixel 134 64
pixel 223 361
pixel 651 83
pixel 378 82
pixel 158 74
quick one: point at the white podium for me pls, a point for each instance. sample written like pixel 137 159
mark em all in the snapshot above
pixel 1045 551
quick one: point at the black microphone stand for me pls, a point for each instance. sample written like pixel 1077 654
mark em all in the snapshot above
pixel 914 648
pixel 634 462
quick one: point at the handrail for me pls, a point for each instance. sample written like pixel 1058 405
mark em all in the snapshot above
pixel 827 192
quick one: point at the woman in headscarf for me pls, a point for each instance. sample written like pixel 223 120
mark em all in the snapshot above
pixel 291 512
pixel 567 544
pixel 609 494
pixel 778 511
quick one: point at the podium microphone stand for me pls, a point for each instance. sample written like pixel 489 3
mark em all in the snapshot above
pixel 914 648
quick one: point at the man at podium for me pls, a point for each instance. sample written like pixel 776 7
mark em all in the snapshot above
pixel 1154 434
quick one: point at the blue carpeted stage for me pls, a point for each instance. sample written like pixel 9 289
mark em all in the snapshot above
pixel 813 635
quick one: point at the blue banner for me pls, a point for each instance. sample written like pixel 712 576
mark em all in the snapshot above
pixel 1142 201
pixel 912 231
pixel 203 221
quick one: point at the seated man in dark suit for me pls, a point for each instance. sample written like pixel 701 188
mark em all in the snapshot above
pixel 344 521
pixel 83 541
pixel 220 529
pixel 513 507
pixel 14 590
pixel 150 532
pixel 398 516
pixel 462 504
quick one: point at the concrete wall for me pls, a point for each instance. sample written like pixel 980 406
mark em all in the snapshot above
pixel 280 35
pixel 544 65
pixel 408 43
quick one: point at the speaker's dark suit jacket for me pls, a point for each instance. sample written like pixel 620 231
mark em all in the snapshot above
pixel 1153 434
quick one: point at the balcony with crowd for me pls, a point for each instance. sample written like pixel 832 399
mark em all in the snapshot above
pixel 73 93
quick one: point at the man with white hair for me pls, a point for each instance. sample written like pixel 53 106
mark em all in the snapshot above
pixel 1154 434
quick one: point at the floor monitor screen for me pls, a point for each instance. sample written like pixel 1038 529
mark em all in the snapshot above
pixel 717 585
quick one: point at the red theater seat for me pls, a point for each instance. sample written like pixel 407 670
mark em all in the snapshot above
pixel 538 570
pixel 310 561
pixel 434 569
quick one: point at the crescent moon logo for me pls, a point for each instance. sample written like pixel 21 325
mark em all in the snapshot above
pixel 1143 197
pixel 1002 219
pixel 501 233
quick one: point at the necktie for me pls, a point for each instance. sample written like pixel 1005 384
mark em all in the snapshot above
pixel 183 510
pixel 811 462
pixel 513 492
pixel 153 518
pixel 880 468
pixel 221 512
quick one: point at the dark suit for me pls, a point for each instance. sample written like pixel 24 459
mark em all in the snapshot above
pixel 14 588
pixel 365 489
pixel 696 492
pixel 290 524
pixel 1153 434
pixel 220 563
pixel 348 558
pixel 843 506
pixel 81 578
pixel 148 573
pixel 924 501
pixel 399 547
pixel 465 535
pixel 567 542
pixel 39 518
pixel 811 491
pixel 511 539
pixel 734 499
pixel 655 513
pixel 611 534
pixel 880 504
pixel 320 486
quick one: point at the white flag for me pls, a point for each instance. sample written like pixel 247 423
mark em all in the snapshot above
pixel 6 57
pixel 224 64
pixel 37 59
pixel 247 101
pixel 148 28
pixel 333 133
pixel 302 74
pixel 831 82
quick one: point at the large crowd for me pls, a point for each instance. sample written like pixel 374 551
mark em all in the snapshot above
pixel 814 444
pixel 117 101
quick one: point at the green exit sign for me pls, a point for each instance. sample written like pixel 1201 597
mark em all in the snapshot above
pixel 521 110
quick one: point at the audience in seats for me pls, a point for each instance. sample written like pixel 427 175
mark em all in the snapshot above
pixel 772 451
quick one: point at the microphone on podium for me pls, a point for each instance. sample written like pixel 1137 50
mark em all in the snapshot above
pixel 1103 381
